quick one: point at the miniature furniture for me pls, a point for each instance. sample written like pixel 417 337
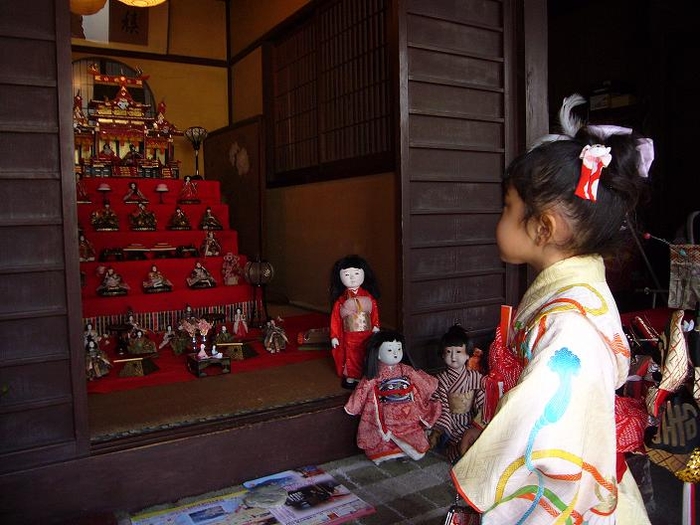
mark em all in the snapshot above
pixel 197 366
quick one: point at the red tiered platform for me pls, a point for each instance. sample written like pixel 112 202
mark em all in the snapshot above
pixel 157 310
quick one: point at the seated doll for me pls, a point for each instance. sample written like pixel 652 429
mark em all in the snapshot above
pixel 275 338
pixel 142 219
pixel 104 219
pixel 210 245
pixel 209 221
pixel 140 345
pixel 156 282
pixel 224 336
pixel 97 364
pixel 188 192
pixel 134 195
pixel 179 220
pixel 168 337
pixel 394 401
pixel 459 391
pixel 200 277
pixel 112 284
pixel 85 249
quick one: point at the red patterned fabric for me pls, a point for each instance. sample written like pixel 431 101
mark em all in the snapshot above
pixel 504 372
pixel 630 423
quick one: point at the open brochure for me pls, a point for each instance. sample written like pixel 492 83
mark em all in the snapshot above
pixel 314 497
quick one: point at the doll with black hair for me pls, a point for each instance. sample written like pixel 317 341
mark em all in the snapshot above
pixel 459 391
pixel 395 402
pixel 354 315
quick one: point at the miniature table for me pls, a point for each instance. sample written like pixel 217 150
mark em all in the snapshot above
pixel 137 366
pixel 197 366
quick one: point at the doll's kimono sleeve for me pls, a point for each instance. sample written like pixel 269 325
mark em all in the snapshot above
pixel 336 327
pixel 360 397
pixel 550 449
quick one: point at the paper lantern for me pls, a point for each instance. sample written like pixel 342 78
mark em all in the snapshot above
pixel 86 7
pixel 142 3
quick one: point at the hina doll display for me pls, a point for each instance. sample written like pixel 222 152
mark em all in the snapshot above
pixel 460 394
pixel 395 402
pixel 354 316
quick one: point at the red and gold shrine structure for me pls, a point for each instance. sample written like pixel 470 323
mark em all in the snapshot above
pixel 119 138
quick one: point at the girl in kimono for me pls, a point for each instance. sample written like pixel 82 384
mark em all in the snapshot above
pixel 459 392
pixel 354 316
pixel 395 402
pixel 549 453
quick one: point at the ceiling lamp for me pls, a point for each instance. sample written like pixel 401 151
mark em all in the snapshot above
pixel 86 7
pixel 142 3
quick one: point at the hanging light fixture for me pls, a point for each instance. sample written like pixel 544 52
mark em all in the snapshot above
pixel 142 3
pixel 86 7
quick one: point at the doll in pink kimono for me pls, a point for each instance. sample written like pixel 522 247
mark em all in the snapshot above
pixel 395 402
pixel 354 316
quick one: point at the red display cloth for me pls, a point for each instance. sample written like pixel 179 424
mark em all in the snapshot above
pixel 207 191
pixel 125 236
pixel 173 369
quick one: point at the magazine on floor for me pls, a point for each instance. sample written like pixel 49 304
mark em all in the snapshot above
pixel 226 509
pixel 314 497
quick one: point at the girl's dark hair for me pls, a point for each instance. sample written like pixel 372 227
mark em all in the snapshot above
pixel 456 336
pixel 547 176
pixel 372 350
pixel 352 261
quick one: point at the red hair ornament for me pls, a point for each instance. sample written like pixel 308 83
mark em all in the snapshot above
pixel 594 158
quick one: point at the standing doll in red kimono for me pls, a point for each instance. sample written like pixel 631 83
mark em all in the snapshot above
pixel 354 316
pixel 395 402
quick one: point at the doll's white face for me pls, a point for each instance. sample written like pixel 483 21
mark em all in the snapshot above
pixel 391 353
pixel 352 277
pixel 455 356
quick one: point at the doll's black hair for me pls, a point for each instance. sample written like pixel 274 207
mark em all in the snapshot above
pixel 352 261
pixel 455 336
pixel 372 350
pixel 546 177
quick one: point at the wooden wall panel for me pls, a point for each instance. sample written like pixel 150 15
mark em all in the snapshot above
pixel 448 67
pixel 29 154
pixel 40 246
pixel 446 197
pixel 455 71
pixel 458 260
pixel 43 409
pixel 486 12
pixel 458 165
pixel 46 333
